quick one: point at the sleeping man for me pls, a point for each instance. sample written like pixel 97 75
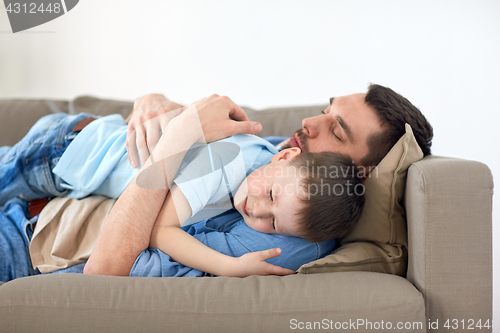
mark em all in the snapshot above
pixel 351 124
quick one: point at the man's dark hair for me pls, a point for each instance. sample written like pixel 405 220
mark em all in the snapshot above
pixel 393 111
pixel 332 196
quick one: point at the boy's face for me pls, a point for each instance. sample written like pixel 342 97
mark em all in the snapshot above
pixel 269 198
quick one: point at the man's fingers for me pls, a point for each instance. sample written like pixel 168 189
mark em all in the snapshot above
pixel 130 144
pixel 247 127
pixel 153 136
pixel 235 111
pixel 142 147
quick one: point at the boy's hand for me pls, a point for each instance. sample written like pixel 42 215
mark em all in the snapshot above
pixel 254 263
pixel 145 123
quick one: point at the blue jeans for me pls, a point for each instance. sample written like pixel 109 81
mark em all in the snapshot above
pixel 26 168
pixel 26 174
pixel 15 236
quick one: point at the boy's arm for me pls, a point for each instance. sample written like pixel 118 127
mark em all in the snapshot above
pixel 187 250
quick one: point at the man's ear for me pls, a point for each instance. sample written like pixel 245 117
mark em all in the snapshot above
pixel 286 154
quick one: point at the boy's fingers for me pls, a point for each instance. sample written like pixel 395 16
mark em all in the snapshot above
pixel 282 271
pixel 277 270
pixel 271 253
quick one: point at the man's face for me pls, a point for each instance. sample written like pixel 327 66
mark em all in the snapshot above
pixel 344 127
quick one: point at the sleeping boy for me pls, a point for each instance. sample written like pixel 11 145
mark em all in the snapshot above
pixel 58 158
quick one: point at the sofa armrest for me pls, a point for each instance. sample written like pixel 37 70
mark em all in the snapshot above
pixel 449 213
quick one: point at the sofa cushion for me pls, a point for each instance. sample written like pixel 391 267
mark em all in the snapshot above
pixel 99 106
pixel 17 116
pixel 379 240
pixel 22 114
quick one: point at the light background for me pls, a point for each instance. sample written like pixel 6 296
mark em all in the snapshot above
pixel 444 56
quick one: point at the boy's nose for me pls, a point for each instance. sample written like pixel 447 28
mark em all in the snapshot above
pixel 260 210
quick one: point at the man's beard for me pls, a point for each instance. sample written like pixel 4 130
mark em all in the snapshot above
pixel 302 138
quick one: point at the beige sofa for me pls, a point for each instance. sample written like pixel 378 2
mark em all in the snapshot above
pixel 447 284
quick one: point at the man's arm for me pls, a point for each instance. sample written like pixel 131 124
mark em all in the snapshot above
pixel 127 230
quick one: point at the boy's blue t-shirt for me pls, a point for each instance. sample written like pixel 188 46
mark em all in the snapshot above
pixel 228 234
pixel 96 162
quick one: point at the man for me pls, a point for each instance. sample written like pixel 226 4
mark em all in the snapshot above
pixel 365 126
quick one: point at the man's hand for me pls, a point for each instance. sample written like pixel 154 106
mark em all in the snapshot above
pixel 220 118
pixel 150 115
pixel 254 263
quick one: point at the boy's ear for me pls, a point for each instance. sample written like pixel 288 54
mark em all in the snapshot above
pixel 286 154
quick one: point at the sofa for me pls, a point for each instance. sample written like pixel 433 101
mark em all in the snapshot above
pixel 434 274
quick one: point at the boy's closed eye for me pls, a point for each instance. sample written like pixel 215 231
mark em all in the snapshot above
pixel 274 218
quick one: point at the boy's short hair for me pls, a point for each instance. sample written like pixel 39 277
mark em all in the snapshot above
pixel 334 195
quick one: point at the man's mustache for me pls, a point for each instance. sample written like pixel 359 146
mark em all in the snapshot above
pixel 303 139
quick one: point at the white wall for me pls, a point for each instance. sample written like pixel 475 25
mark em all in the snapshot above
pixel 442 55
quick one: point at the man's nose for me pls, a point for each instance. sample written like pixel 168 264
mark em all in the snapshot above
pixel 310 126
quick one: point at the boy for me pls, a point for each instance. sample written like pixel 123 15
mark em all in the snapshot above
pixel 293 195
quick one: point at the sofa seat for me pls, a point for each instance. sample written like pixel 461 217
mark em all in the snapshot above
pixel 74 302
